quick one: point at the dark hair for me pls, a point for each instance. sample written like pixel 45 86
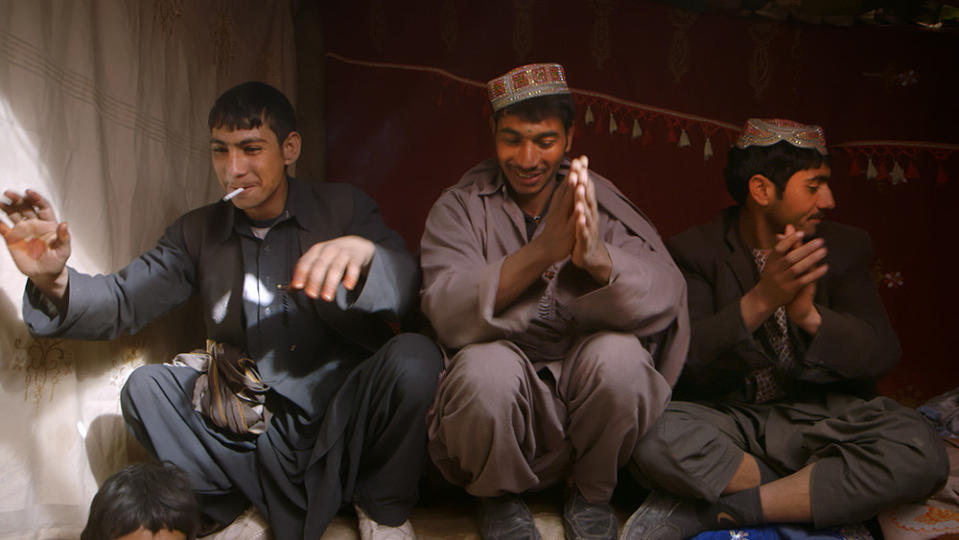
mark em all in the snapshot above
pixel 539 108
pixel 154 495
pixel 250 105
pixel 778 162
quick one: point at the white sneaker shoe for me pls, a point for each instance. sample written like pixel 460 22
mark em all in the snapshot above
pixel 371 530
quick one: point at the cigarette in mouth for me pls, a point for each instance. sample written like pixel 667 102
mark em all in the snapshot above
pixel 233 193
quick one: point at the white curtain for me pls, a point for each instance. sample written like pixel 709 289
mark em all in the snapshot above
pixel 103 108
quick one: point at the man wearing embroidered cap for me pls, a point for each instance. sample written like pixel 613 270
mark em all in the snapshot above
pixel 788 337
pixel 562 313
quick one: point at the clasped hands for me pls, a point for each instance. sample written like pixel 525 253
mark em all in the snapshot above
pixel 790 275
pixel 571 225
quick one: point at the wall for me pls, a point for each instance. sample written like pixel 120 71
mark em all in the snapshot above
pixel 406 115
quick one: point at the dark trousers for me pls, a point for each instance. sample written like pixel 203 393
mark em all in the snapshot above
pixel 868 455
pixel 369 447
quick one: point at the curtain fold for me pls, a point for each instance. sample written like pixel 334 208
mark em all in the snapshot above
pixel 103 109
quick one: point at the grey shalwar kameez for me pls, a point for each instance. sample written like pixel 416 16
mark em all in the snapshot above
pixel 348 400
pixel 869 452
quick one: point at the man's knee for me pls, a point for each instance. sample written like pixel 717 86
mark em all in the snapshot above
pixel 485 376
pixel 685 454
pixel 919 466
pixel 142 386
pixel 414 362
pixel 617 364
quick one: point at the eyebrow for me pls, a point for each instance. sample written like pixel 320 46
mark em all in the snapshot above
pixel 214 140
pixel 544 135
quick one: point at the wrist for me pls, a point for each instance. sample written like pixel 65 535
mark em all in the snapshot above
pixel 809 319
pixel 53 287
pixel 755 308
pixel 600 267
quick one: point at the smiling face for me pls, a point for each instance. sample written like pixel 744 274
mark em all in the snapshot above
pixel 530 153
pixel 803 201
pixel 253 159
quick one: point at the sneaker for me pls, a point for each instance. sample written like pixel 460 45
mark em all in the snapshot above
pixel 506 518
pixel 588 521
pixel 663 517
pixel 371 530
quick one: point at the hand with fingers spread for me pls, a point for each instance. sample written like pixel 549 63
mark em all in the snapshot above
pixel 791 267
pixel 38 244
pixel 589 250
pixel 325 265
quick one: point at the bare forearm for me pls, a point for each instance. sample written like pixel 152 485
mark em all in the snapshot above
pixel 519 271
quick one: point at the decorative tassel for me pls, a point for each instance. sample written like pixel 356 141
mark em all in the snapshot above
pixel 612 124
pixel 683 139
pixel 589 115
pixel 623 128
pixel 883 171
pixel 871 172
pixel 671 136
pixel 941 177
pixel 854 169
pixel 647 137
pixel 897 174
pixel 597 127
pixel 707 150
pixel 637 131
pixel 912 172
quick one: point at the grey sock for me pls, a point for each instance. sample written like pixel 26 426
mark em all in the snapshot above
pixel 739 509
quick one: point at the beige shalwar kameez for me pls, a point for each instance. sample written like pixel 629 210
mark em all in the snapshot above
pixel 564 381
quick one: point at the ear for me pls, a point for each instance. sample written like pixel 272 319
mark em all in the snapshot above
pixel 761 190
pixel 569 137
pixel 291 148
pixel 492 124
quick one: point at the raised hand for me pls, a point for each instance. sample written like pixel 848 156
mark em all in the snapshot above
pixel 325 265
pixel 589 250
pixel 559 226
pixel 791 267
pixel 38 244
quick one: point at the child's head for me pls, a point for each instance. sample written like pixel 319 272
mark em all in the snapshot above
pixel 144 501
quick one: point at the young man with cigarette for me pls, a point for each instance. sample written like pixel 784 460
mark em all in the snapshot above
pixel 303 399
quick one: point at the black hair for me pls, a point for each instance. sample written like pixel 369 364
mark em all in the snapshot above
pixel 154 495
pixel 777 162
pixel 250 105
pixel 539 108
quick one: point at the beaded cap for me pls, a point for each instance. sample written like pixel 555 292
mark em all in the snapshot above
pixel 769 131
pixel 525 82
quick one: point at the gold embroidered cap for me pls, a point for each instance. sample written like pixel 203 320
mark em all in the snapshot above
pixel 769 131
pixel 525 82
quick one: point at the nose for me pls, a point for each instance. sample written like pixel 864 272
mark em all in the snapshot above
pixel 527 157
pixel 826 201
pixel 236 165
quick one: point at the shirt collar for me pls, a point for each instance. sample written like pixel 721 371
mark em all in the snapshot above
pixel 298 210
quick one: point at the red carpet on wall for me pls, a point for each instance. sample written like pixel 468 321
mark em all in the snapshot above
pixel 661 93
